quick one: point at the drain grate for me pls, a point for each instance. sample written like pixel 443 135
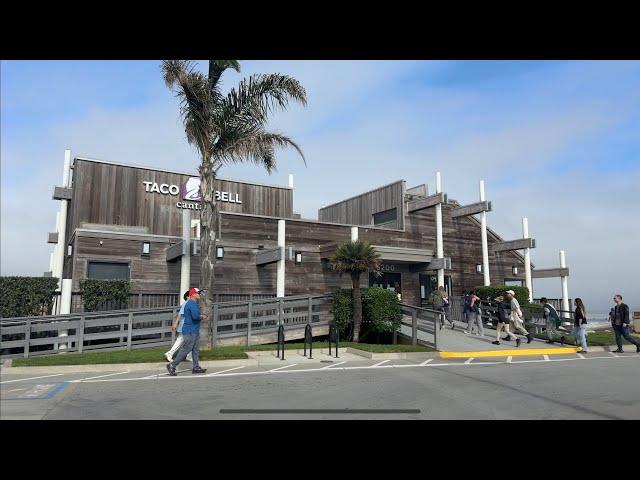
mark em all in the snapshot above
pixel 326 361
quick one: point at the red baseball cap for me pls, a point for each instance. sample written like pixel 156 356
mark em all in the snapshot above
pixel 193 291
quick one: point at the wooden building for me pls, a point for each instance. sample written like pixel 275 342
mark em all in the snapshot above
pixel 125 221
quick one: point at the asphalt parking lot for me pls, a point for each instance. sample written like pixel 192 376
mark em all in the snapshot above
pixel 572 386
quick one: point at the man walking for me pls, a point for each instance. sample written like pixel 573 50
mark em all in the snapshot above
pixel 552 320
pixel 190 334
pixel 517 316
pixel 177 326
pixel 503 323
pixel 619 317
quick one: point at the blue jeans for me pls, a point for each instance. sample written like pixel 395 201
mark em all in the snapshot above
pixel 623 331
pixel 580 334
pixel 191 344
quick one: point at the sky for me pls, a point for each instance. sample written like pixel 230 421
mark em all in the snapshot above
pixel 557 142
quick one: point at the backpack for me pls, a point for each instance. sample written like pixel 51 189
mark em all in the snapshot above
pixel 467 303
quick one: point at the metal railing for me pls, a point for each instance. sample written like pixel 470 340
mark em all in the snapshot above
pixel 423 320
pixel 255 317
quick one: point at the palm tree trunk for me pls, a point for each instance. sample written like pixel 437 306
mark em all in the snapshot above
pixel 208 227
pixel 357 306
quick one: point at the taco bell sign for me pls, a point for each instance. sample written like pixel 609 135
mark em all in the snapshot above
pixel 189 191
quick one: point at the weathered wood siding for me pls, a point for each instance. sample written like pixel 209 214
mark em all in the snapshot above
pixel 359 210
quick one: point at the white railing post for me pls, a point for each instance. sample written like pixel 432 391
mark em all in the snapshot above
pixel 439 247
pixel 485 248
pixel 527 259
pixel 280 272
pixel 185 267
pixel 565 287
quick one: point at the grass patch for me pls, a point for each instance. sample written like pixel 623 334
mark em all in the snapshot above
pixel 154 355
pixel 596 339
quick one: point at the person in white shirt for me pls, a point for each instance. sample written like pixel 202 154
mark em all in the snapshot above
pixel 517 317
pixel 177 326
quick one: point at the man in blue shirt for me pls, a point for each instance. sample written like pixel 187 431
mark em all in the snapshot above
pixel 177 326
pixel 190 334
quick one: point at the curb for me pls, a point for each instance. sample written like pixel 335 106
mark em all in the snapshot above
pixel 510 353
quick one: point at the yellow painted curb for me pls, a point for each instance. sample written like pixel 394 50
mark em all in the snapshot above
pixel 511 353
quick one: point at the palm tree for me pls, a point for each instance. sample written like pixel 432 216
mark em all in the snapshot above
pixel 355 258
pixel 227 129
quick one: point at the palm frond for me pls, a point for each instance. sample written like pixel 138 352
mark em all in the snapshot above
pixel 257 146
pixel 217 68
pixel 355 257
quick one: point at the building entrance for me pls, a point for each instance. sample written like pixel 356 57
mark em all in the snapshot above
pixel 429 284
pixel 388 281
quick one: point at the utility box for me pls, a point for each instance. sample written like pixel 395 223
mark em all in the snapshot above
pixel 635 322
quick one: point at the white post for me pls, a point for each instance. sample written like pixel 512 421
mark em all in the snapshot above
pixel 61 223
pixel 439 248
pixel 291 180
pixel 185 267
pixel 565 288
pixel 281 264
pixel 65 307
pixel 527 259
pixel 485 248
pixel 354 234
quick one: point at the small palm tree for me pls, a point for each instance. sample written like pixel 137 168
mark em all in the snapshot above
pixel 227 129
pixel 355 258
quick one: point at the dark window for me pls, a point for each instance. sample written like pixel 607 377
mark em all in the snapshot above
pixel 387 216
pixel 108 270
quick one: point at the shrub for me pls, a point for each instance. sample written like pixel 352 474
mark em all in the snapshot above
pixel 96 292
pixel 26 296
pixel 380 309
pixel 492 291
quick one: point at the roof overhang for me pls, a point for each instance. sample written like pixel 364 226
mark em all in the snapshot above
pixel 388 254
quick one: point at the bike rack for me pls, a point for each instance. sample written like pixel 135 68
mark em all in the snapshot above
pixel 308 338
pixel 334 336
pixel 280 342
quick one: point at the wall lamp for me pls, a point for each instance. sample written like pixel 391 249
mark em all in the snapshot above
pixel 478 268
pixel 146 248
pixel 514 270
pixel 219 252
pixel 298 258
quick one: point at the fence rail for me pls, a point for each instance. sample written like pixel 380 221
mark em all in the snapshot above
pixel 424 320
pixel 253 317
pixel 151 327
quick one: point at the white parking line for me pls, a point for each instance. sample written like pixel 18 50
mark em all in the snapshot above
pixel 509 358
pixel 380 363
pixel 613 354
pixel 222 371
pixel 99 376
pixel 16 390
pixel 426 363
pixel 32 378
pixel 468 361
pixel 581 356
pixel 333 365
pixel 282 368
pixel 546 357
pixel 156 375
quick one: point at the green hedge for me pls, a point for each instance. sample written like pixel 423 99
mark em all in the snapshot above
pixel 380 309
pixel 26 296
pixel 96 292
pixel 492 291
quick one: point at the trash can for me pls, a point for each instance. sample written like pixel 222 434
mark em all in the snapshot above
pixel 636 322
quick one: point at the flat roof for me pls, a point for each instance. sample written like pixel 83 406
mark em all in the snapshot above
pixel 191 174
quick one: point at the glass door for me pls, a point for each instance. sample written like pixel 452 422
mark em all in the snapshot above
pixel 388 281
pixel 429 284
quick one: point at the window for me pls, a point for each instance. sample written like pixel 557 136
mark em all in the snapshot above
pixel 387 216
pixel 514 282
pixel 108 270
pixel 195 228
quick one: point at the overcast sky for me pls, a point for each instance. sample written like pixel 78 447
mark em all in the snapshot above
pixel 557 142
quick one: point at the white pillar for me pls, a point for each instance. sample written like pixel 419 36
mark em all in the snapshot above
pixel 483 233
pixel 65 307
pixel 291 180
pixel 527 259
pixel 61 221
pixel 439 248
pixel 185 267
pixel 281 264
pixel 565 288
pixel 354 234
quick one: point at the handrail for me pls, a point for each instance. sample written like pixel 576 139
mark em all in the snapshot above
pixel 68 316
pixel 308 338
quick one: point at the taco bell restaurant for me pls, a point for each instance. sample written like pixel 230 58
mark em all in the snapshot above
pixel 143 224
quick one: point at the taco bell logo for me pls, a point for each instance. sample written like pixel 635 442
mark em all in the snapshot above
pixel 191 190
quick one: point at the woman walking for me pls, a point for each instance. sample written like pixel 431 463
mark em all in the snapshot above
pixel 580 325
pixel 475 316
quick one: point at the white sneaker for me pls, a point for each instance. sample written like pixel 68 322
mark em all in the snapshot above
pixel 168 357
pixel 189 358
